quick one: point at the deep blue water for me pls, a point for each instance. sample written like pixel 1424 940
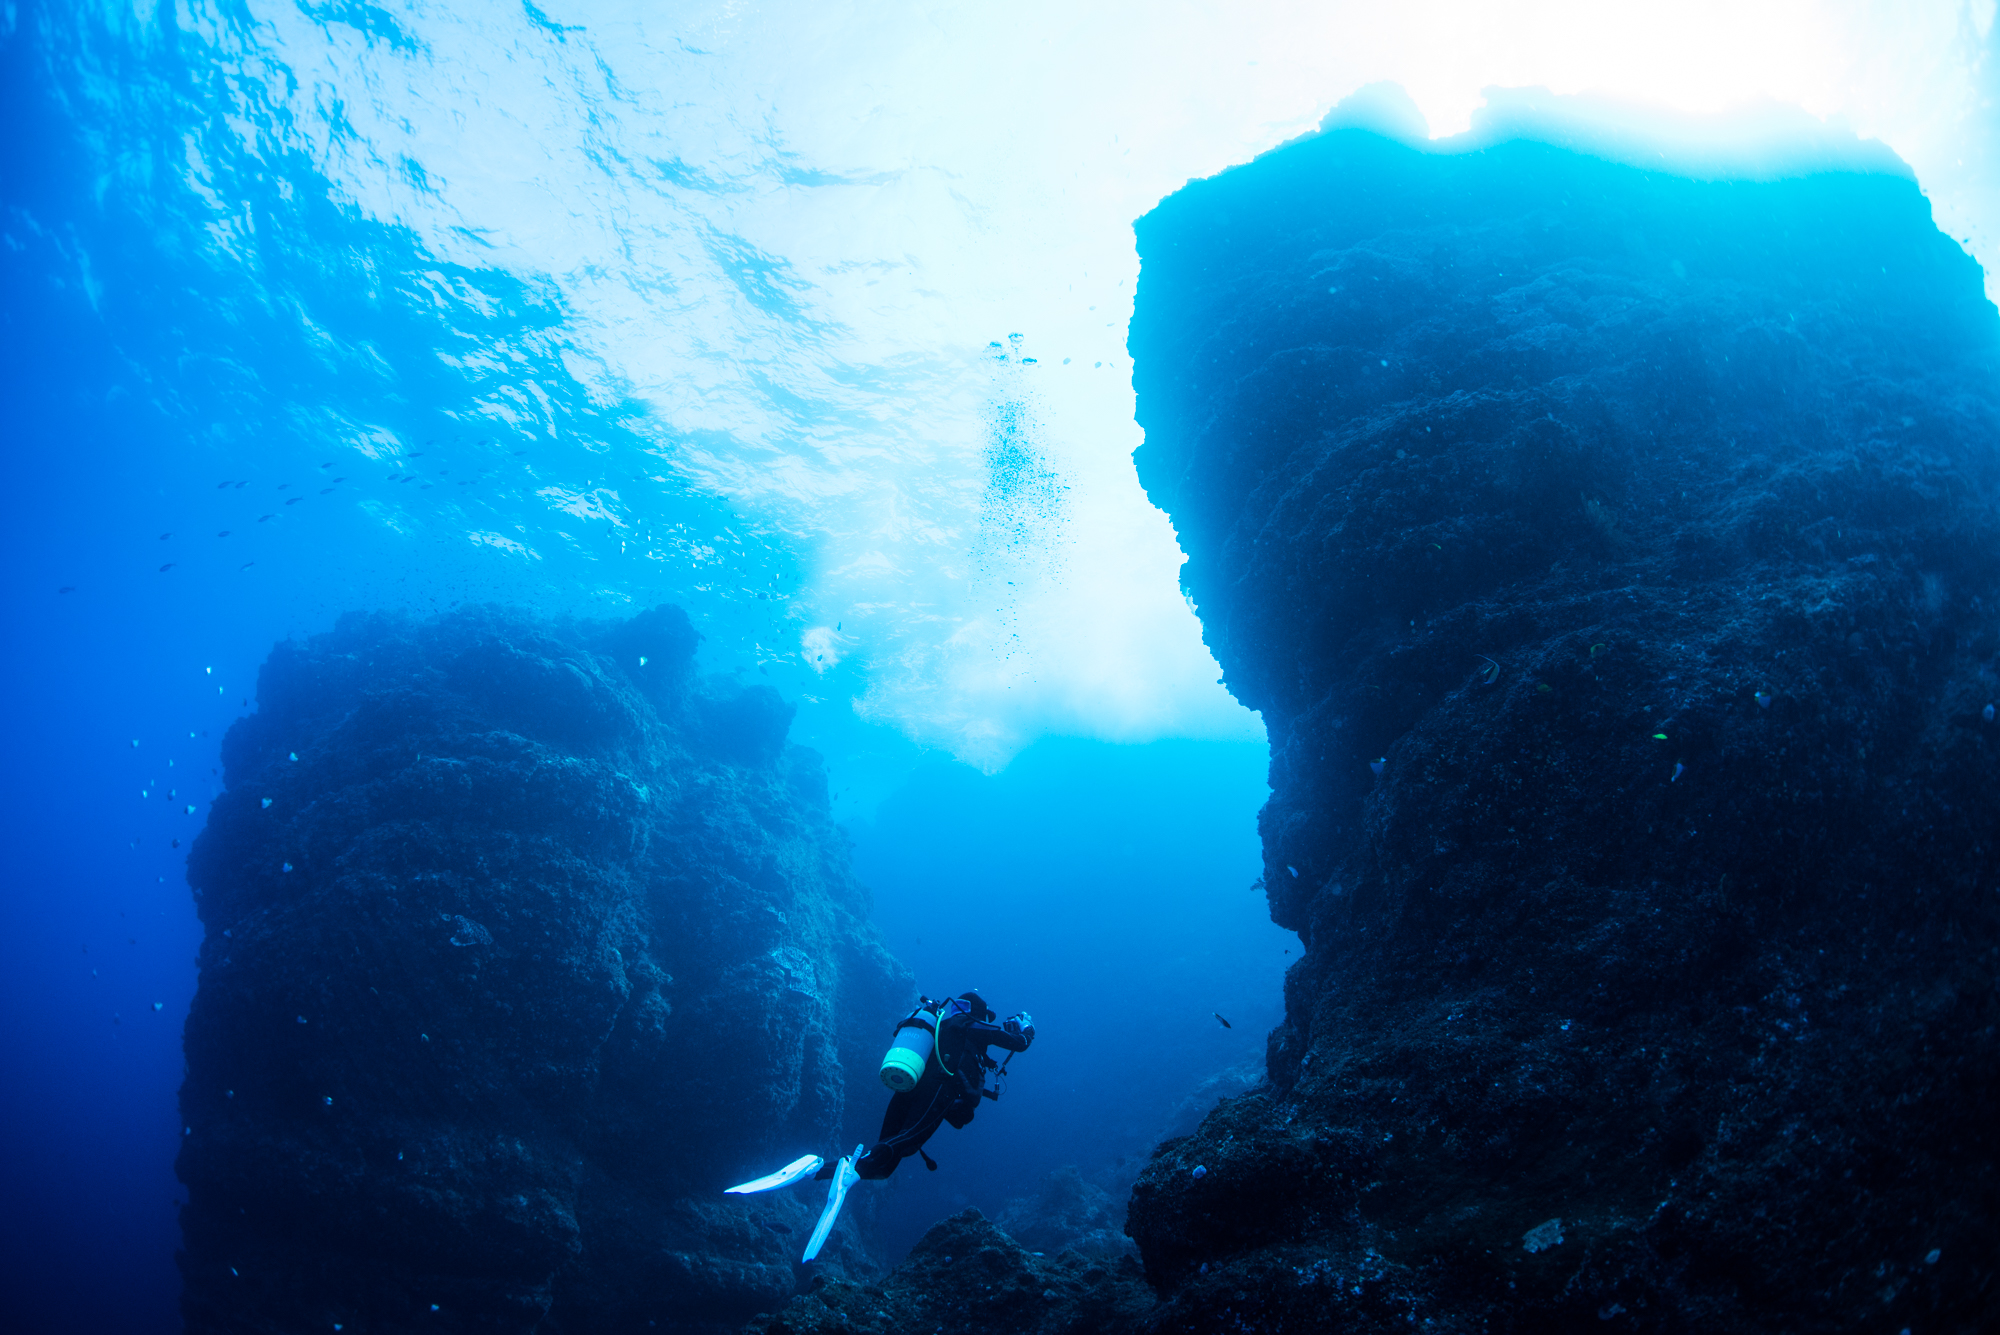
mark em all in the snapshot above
pixel 280 342
pixel 1114 893
pixel 1105 888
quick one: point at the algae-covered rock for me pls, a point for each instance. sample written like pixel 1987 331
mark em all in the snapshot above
pixel 1614 560
pixel 967 1277
pixel 1067 1211
pixel 521 943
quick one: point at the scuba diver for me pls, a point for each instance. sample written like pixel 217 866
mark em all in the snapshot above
pixel 937 1067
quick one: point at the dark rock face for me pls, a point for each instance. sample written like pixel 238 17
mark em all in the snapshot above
pixel 967 1277
pixel 1643 532
pixel 520 947
pixel 1068 1212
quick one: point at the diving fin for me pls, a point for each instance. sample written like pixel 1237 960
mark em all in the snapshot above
pixel 844 1177
pixel 784 1177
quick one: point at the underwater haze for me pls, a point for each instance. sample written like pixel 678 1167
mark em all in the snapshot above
pixel 808 319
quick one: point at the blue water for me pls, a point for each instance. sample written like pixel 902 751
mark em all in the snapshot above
pixel 809 320
pixel 1114 893
pixel 239 404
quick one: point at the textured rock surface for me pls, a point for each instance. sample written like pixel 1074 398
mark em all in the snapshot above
pixel 520 946
pixel 1643 531
pixel 967 1277
pixel 1068 1212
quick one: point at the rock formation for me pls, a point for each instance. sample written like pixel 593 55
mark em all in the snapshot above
pixel 969 1278
pixel 520 945
pixel 1068 1212
pixel 1614 560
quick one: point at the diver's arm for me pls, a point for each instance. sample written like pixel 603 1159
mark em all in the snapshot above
pixel 1011 1036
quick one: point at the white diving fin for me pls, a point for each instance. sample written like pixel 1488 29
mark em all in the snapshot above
pixel 844 1177
pixel 784 1177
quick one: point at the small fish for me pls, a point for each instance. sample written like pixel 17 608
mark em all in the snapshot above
pixel 223 534
pixel 165 536
pixel 1490 673
pixel 1225 1023
pixel 67 588
pixel 1377 766
pixel 324 490
pixel 224 484
pixel 262 518
pixel 1763 699
pixel 777 1227
pixel 168 566
pixel 1679 769
pixel 295 500
pixel 337 481
pixel 328 464
pixel 246 565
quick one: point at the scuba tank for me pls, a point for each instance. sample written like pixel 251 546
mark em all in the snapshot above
pixel 910 1049
pixel 915 1042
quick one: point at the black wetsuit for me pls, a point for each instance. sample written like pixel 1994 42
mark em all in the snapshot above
pixel 938 1097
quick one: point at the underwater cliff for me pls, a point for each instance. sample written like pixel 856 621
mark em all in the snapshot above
pixel 521 943
pixel 1614 560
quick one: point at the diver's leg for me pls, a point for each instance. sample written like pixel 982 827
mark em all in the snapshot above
pixel 908 1138
pixel 894 1117
pixel 877 1163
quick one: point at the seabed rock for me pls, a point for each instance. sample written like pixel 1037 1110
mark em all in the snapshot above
pixel 967 1277
pixel 537 945
pixel 1642 530
pixel 1068 1212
